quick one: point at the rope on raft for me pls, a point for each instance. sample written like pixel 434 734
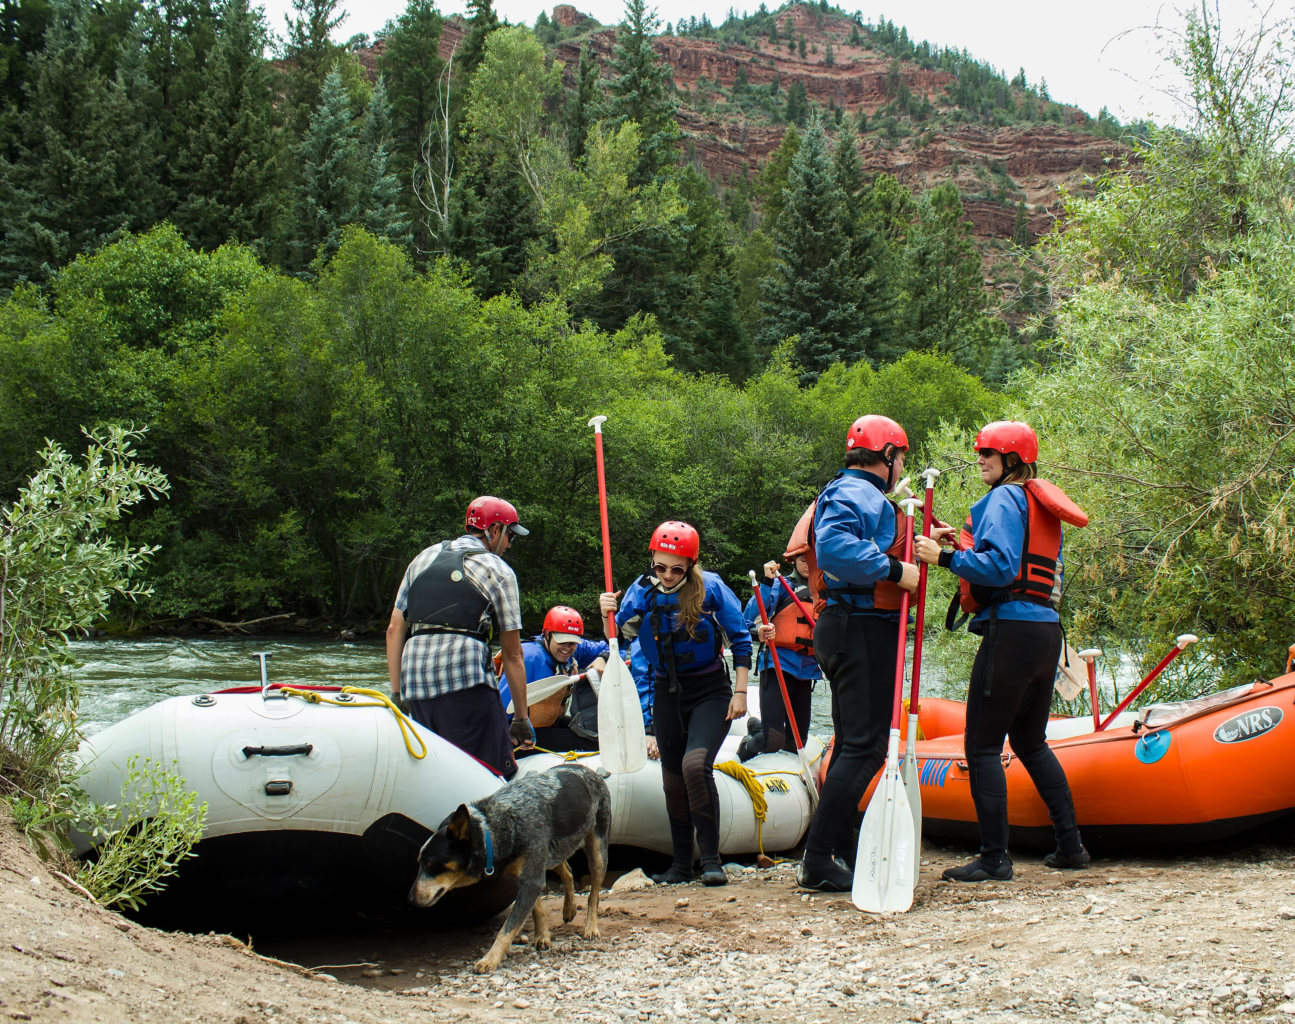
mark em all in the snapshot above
pixel 407 729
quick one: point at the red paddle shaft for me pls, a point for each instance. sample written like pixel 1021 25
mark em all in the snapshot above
pixel 1183 642
pixel 928 518
pixel 597 423
pixel 800 605
pixel 1092 694
pixel 901 654
pixel 777 666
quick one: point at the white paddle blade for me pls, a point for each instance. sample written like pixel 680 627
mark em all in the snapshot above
pixel 622 741
pixel 883 872
pixel 541 688
pixel 811 780
pixel 913 790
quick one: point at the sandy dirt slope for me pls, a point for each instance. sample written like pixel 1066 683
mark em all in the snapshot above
pixel 1132 940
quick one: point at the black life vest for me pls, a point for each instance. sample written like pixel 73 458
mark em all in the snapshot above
pixel 583 710
pixel 443 599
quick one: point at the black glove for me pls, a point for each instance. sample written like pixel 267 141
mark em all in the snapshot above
pixel 521 731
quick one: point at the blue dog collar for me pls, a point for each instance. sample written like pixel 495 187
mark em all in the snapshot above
pixel 490 850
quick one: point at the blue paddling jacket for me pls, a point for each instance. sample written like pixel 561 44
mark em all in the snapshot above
pixel 540 664
pixel 998 522
pixel 855 534
pixel 670 652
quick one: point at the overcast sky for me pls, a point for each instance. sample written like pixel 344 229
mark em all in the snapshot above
pixel 1101 53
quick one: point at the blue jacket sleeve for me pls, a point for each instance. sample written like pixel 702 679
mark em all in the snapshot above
pixel 538 665
pixel 728 613
pixel 632 604
pixel 752 611
pixel 995 556
pixel 589 650
pixel 841 550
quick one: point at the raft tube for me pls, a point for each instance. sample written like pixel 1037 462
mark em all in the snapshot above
pixel 294 790
pixel 1185 772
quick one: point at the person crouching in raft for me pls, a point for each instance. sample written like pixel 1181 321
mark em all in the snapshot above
pixel 856 541
pixel 1009 570
pixel 562 650
pixel 792 634
pixel 682 615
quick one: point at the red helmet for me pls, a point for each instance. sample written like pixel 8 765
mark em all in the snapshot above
pixel 485 511
pixel 676 538
pixel 1009 436
pixel 565 622
pixel 873 433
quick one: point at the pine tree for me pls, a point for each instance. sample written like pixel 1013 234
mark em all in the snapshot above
pixel 722 345
pixel 228 173
pixel 411 67
pixel 813 291
pixel 642 90
pixel 773 178
pixel 801 46
pixel 1021 233
pixel 85 165
pixel 311 55
pixel 944 298
pixel 378 205
pixel 773 31
pixel 797 110
pixel 585 105
pixel 848 169
pixel 855 38
pixel 829 58
pixel 329 160
pixel 480 25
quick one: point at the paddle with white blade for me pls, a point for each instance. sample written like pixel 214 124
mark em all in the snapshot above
pixel 807 769
pixel 883 871
pixel 908 770
pixel 542 688
pixel 622 740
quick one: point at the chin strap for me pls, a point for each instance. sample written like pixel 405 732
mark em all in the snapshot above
pixel 490 848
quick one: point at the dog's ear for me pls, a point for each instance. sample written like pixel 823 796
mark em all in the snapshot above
pixel 459 821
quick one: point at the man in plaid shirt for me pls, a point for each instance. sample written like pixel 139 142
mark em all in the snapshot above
pixel 455 598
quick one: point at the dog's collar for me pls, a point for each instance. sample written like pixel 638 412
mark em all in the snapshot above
pixel 490 849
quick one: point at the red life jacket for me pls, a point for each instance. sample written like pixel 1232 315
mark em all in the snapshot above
pixel 1047 507
pixel 794 631
pixel 885 595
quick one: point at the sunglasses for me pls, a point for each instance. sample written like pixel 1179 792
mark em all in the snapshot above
pixel 668 570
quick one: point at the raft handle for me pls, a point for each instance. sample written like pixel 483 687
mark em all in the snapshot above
pixel 292 751
pixel 278 787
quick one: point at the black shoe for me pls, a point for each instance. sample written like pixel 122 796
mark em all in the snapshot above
pixel 979 871
pixel 675 876
pixel 824 874
pixel 713 874
pixel 1057 859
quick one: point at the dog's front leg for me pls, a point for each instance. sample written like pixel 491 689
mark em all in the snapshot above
pixel 528 891
pixel 568 893
pixel 596 853
pixel 543 939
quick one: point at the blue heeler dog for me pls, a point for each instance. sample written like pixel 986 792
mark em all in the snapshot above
pixel 524 829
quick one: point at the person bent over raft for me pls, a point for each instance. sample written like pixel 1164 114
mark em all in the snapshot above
pixel 855 544
pixel 793 635
pixel 1010 569
pixel 682 616
pixel 455 598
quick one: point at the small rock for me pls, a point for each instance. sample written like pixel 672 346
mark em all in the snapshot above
pixel 1287 913
pixel 1214 939
pixel 1138 976
pixel 632 880
pixel 1287 1008
pixel 1034 920
pixel 730 899
pixel 325 977
pixel 521 1004
pixel 371 972
pixel 715 1013
pixel 112 972
pixel 121 926
pixel 997 944
pixel 35 880
pixel 806 931
pixel 682 901
pixel 848 990
pixel 395 970
pixel 1288 990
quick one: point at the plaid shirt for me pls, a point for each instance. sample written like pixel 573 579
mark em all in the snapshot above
pixel 433 664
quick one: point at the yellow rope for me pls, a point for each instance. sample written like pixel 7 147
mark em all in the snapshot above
pixel 920 734
pixel 380 700
pixel 570 755
pixel 755 790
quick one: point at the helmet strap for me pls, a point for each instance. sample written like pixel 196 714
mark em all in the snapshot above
pixel 890 465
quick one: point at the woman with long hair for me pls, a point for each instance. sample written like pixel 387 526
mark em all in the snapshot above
pixel 1010 568
pixel 682 616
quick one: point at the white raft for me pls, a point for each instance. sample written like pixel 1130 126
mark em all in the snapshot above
pixel 275 763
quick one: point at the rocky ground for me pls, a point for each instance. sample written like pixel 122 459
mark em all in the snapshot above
pixel 1134 939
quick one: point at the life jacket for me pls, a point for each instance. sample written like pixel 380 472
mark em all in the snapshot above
pixel 885 595
pixel 443 599
pixel 794 630
pixel 584 710
pixel 677 651
pixel 1047 507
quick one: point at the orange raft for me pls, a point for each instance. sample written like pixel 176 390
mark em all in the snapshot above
pixel 1185 772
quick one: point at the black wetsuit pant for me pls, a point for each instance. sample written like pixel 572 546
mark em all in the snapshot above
pixel 857 654
pixel 474 721
pixel 1013 703
pixel 690 725
pixel 773 711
